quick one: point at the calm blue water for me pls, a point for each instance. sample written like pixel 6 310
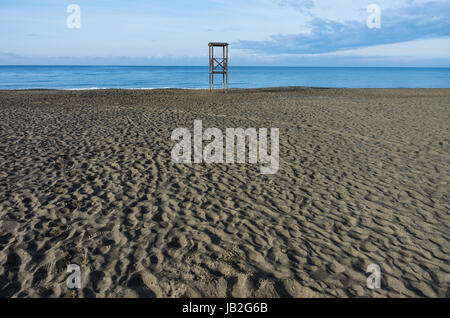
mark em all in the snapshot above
pixel 90 77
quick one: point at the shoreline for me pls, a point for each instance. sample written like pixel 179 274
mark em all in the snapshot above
pixel 218 90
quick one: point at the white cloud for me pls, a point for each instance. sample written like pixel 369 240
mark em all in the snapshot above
pixel 429 48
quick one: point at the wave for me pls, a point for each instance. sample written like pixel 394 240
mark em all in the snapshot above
pixel 127 88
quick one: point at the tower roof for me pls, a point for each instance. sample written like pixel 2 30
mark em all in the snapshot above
pixel 218 44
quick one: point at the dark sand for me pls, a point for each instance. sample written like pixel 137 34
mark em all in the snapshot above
pixel 87 178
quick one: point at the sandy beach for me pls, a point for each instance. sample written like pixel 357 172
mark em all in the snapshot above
pixel 87 178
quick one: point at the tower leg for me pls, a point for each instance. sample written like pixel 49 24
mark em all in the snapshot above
pixel 226 66
pixel 210 68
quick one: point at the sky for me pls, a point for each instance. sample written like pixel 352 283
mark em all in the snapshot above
pixel 413 33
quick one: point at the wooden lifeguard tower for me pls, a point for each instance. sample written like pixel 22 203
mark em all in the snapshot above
pixel 218 65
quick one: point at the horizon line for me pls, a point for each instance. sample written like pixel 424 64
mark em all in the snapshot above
pixel 286 66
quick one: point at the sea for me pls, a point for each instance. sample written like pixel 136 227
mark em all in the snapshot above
pixel 196 77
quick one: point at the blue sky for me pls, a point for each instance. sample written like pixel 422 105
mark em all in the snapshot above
pixel 261 32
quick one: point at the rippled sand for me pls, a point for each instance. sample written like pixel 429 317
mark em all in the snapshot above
pixel 87 178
